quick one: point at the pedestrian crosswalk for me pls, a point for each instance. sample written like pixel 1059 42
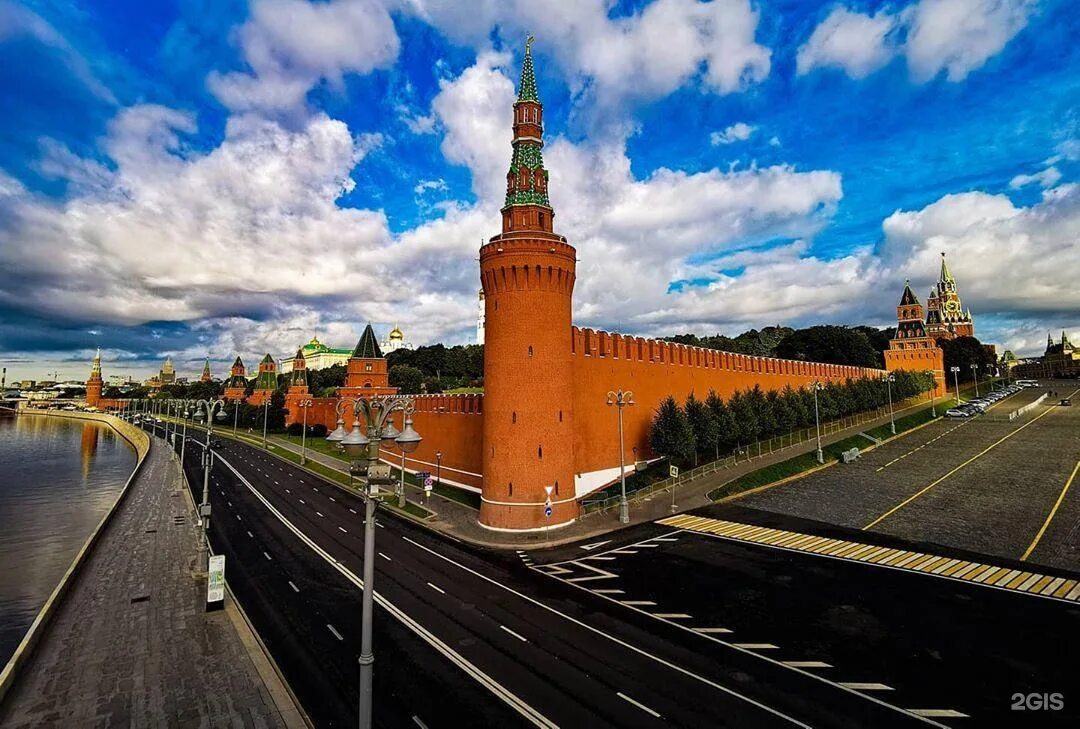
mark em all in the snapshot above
pixel 1032 583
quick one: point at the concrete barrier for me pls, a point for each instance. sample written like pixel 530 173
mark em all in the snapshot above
pixel 140 441
pixel 1020 411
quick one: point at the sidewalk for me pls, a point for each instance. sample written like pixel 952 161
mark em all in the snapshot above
pixel 459 521
pixel 131 643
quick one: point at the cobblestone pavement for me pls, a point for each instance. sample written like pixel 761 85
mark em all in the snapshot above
pixel 985 484
pixel 131 644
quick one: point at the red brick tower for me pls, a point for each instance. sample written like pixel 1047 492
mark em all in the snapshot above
pixel 945 316
pixel 527 273
pixel 206 376
pixel 265 381
pixel 237 384
pixel 366 374
pixel 94 384
pixel 912 348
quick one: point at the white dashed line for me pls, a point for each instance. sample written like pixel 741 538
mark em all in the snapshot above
pixel 939 713
pixel 320 513
pixel 302 501
pixel 806 664
pixel 294 587
pixel 671 616
pixel 437 589
pixel 638 704
pixel 353 510
pixel 709 631
pixel 865 686
pixel 516 635
pixel 608 592
pixel 268 557
pixel 385 557
pixel 636 603
pixel 251 535
pixel 334 631
pixel 756 646
pixel 343 530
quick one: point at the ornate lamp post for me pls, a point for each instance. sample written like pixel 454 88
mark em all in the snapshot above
pixel 975 377
pixel 956 381
pixel 365 448
pixel 620 400
pixel 212 408
pixel 438 467
pixel 888 389
pixel 815 386
pixel 304 404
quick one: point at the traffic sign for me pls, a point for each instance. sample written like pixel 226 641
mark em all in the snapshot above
pixel 428 483
pixel 673 471
pixel 215 583
pixel 549 489
pixel 547 509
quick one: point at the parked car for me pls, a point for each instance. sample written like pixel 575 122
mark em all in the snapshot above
pixel 1065 401
pixel 958 412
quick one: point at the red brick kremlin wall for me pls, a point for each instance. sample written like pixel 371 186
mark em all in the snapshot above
pixel 653 370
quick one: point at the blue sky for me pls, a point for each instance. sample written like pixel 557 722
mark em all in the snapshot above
pixel 206 177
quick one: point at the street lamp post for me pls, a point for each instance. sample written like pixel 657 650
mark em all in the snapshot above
pixel 376 412
pixel 438 467
pixel 975 377
pixel 888 389
pixel 620 400
pixel 956 381
pixel 933 399
pixel 304 405
pixel 211 408
pixel 266 413
pixel 817 420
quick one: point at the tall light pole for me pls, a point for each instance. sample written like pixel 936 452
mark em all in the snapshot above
pixel 888 389
pixel 304 404
pixel 438 467
pixel 933 399
pixel 956 381
pixel 620 400
pixel 975 377
pixel 212 408
pixel 817 420
pixel 266 413
pixel 365 448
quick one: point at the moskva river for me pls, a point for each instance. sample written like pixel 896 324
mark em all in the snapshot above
pixel 58 478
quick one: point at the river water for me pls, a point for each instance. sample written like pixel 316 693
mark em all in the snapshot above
pixel 58 478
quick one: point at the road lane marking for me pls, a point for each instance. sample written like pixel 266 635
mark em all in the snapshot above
pixel 637 603
pixel 416 720
pixel 638 704
pixel 1050 516
pixel 320 513
pixel 974 458
pixel 353 510
pixel 939 713
pixel 594 545
pixel 757 646
pixel 436 588
pixel 608 592
pixel 294 587
pixel 343 530
pixel 807 664
pixel 614 639
pixel 287 491
pixel 385 557
pixel 303 502
pixel 709 631
pixel 268 557
pixel 251 535
pixel 866 686
pixel 671 616
pixel 511 699
pixel 334 631
pixel 516 635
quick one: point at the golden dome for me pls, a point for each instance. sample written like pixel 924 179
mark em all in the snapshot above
pixel 396 333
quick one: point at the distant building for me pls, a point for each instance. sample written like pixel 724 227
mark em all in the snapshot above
pixel 119 380
pixel 395 340
pixel 265 381
pixel 94 384
pixel 236 385
pixel 318 356
pixel 913 348
pixel 165 376
pixel 1061 359
pixel 206 376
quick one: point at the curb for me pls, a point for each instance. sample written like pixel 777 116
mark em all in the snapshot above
pixel 33 635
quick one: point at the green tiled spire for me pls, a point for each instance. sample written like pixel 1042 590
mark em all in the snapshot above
pixel 367 347
pixel 527 89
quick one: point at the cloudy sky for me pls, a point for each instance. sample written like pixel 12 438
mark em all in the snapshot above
pixel 203 177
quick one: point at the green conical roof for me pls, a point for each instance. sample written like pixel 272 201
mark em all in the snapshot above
pixel 267 359
pixel 945 273
pixel 238 362
pixel 367 347
pixel 527 88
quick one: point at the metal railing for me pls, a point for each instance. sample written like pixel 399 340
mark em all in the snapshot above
pixel 746 454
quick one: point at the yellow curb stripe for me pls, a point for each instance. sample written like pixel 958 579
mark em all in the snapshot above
pixel 1050 516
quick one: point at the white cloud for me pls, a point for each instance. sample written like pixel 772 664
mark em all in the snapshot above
pixel 737 132
pixel 292 45
pixel 958 36
pixel 857 43
pixel 643 56
pixel 955 36
pixel 1046 178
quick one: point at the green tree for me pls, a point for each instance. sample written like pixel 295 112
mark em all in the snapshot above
pixel 703 423
pixel 406 377
pixel 830 344
pixel 963 352
pixel 725 422
pixel 670 434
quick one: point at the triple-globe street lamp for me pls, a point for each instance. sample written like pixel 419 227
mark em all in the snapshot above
pixel 888 389
pixel 212 409
pixel 956 381
pixel 816 386
pixel 975 377
pixel 363 445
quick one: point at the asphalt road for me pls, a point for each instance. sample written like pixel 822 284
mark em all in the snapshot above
pixel 984 484
pixel 561 656
pixel 915 641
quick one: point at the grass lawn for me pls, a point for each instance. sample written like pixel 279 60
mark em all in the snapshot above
pixel 464 391
pixel 321 445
